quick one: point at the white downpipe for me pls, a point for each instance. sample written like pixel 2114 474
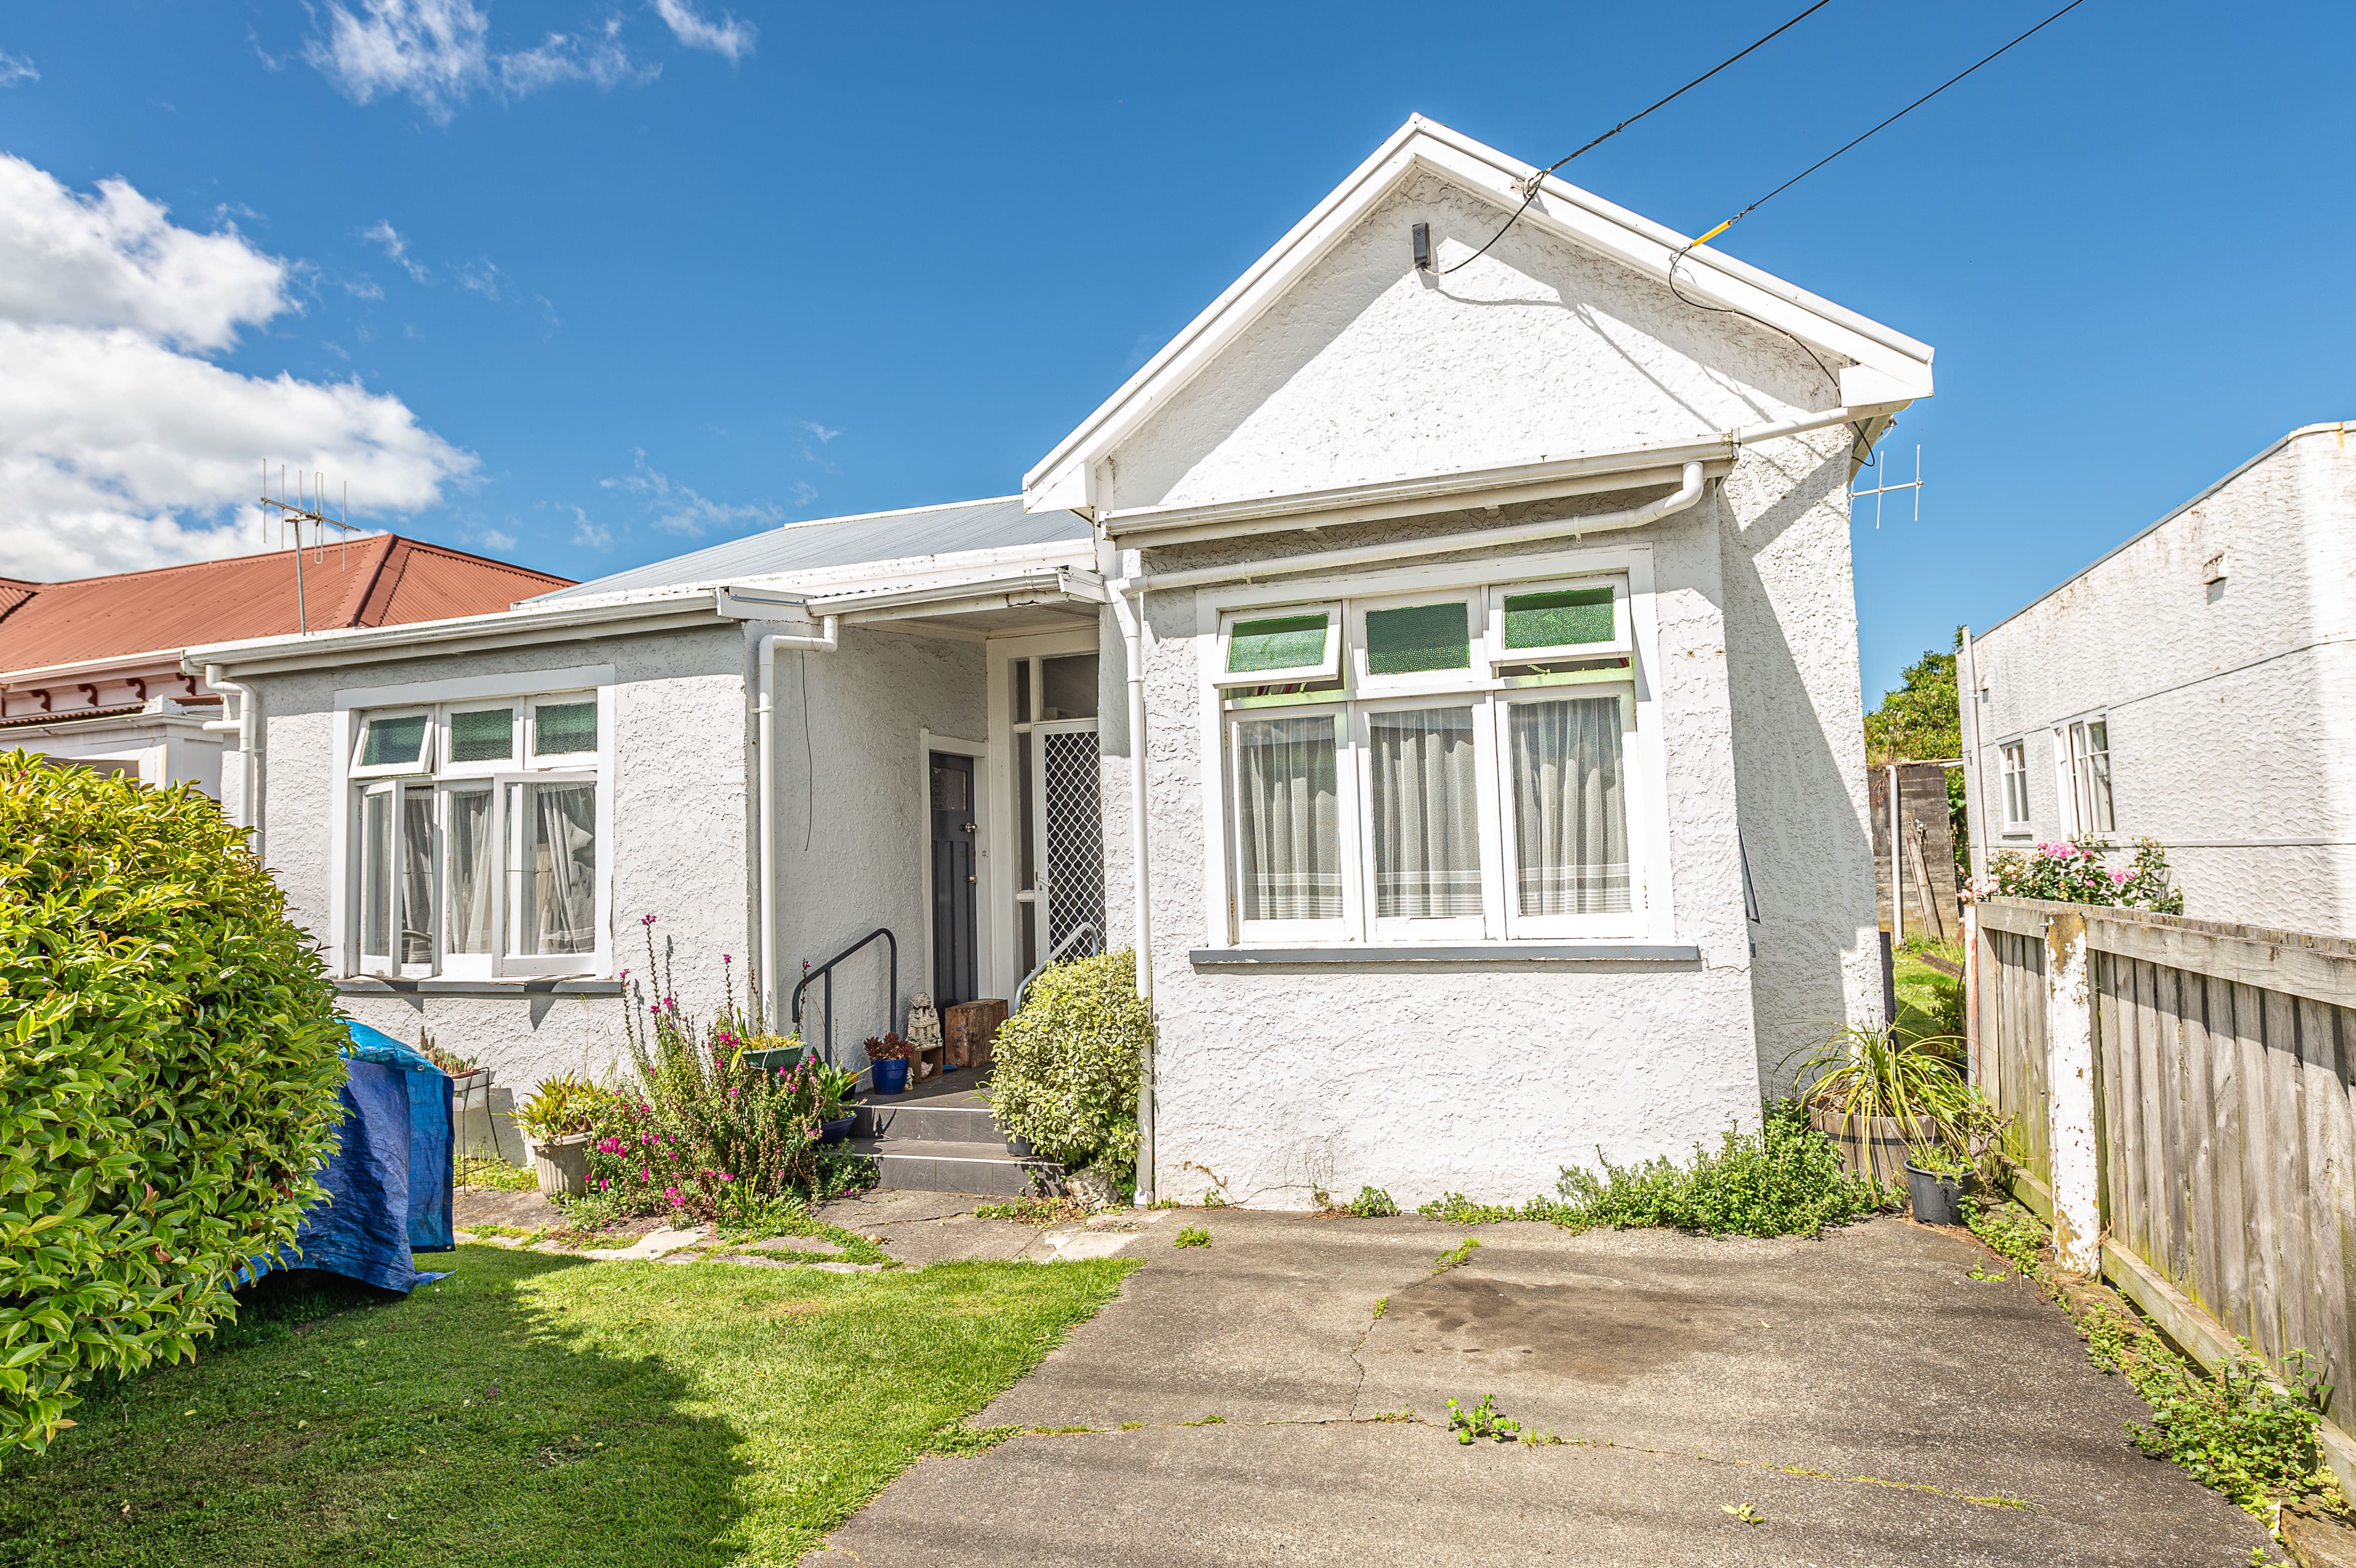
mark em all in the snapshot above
pixel 1132 637
pixel 249 756
pixel 765 745
pixel 1686 493
pixel 1897 898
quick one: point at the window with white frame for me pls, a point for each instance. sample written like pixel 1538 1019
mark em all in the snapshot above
pixel 2086 751
pixel 475 849
pixel 1458 768
pixel 2016 784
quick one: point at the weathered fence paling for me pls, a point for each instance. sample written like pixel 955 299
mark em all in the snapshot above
pixel 2181 1099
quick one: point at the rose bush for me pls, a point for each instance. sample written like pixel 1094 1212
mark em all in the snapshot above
pixel 2075 874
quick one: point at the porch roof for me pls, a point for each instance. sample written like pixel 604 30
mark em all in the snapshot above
pixel 910 536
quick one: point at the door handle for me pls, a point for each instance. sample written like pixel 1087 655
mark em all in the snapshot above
pixel 967 828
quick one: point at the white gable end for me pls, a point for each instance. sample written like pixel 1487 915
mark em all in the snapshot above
pixel 1334 362
pixel 1367 371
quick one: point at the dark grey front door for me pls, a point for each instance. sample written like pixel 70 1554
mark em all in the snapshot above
pixel 956 951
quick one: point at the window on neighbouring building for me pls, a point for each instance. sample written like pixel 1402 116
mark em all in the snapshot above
pixel 475 839
pixel 1467 779
pixel 2016 784
pixel 2090 778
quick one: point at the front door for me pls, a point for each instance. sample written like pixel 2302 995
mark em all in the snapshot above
pixel 956 951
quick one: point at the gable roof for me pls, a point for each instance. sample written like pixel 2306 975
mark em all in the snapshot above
pixel 911 534
pixel 1887 365
pixel 381 580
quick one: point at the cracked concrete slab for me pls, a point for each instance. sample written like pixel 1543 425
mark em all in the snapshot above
pixel 1686 1372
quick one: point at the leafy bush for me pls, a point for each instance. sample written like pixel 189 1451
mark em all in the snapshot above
pixel 2074 873
pixel 1786 1179
pixel 168 1079
pixel 1068 1065
pixel 562 1105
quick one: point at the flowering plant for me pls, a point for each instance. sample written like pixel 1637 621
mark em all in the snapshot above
pixel 2070 873
pixel 697 1130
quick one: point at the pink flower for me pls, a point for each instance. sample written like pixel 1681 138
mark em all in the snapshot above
pixel 2120 878
pixel 649 921
pixel 725 959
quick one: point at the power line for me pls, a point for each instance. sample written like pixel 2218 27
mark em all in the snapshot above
pixel 1531 184
pixel 1883 126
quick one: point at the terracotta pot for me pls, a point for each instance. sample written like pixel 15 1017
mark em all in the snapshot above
pixel 563 1165
pixel 1871 1145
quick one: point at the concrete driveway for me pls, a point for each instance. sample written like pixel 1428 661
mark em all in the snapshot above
pixel 1861 1398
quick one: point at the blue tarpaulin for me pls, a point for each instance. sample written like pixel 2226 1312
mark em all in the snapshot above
pixel 389 1184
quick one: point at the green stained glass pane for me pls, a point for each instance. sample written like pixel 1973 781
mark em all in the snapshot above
pixel 1417 638
pixel 1563 620
pixel 1282 642
pixel 561 729
pixel 487 736
pixel 393 741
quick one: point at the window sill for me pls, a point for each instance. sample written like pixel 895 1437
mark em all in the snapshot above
pixel 1371 954
pixel 539 985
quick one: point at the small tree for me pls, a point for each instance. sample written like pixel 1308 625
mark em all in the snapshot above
pixel 168 1079
pixel 1066 1067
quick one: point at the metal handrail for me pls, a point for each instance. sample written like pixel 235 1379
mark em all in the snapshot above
pixel 1085 928
pixel 826 972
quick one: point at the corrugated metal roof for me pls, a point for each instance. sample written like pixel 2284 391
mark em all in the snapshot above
pixel 850 542
pixel 381 580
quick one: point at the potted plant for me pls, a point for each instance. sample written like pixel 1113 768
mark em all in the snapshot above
pixel 1876 1094
pixel 557 1119
pixel 888 1059
pixel 1935 1181
pixel 836 1088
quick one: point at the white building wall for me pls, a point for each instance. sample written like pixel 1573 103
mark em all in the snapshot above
pixel 165 744
pixel 2231 705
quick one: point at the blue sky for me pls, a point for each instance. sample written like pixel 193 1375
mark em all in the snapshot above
pixel 589 285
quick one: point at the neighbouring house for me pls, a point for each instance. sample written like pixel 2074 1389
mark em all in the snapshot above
pixel 90 670
pixel 2197 686
pixel 1451 651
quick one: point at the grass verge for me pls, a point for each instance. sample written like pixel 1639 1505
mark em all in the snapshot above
pixel 541 1409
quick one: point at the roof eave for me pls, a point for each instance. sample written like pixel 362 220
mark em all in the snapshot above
pixel 657 611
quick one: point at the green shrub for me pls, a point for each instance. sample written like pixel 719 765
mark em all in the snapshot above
pixel 168 1079
pixel 1786 1179
pixel 1067 1066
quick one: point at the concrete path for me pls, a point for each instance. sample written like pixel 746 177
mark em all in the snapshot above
pixel 1865 1401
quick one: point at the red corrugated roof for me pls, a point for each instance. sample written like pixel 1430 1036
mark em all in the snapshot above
pixel 381 580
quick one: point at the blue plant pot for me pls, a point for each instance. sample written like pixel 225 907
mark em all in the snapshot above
pixel 836 1131
pixel 891 1078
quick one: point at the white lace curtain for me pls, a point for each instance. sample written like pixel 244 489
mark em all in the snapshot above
pixel 1572 823
pixel 560 900
pixel 1427 819
pixel 1290 819
pixel 474 861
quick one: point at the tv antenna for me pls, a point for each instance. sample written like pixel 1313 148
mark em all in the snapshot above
pixel 1914 484
pixel 309 505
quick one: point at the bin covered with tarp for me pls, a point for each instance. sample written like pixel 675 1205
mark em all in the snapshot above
pixel 389 1183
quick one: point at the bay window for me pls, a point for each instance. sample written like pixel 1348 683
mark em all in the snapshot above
pixel 1460 775
pixel 474 848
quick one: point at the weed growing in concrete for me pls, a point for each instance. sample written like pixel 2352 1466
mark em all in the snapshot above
pixel 1484 1421
pixel 1191 1236
pixel 1035 1211
pixel 1786 1179
pixel 1456 1254
pixel 1395 1415
pixel 1213 1420
pixel 1455 1209
pixel 1372 1203
pixel 1746 1513
pixel 1382 1305
pixel 1215 1198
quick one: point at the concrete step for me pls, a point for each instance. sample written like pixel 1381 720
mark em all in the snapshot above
pixel 928 1121
pixel 939 1165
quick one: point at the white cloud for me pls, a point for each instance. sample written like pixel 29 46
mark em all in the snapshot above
pixel 589 535
pixel 820 430
pixel 114 260
pixel 439 54
pixel 495 539
pixel 396 248
pixel 15 69
pixel 119 449
pixel 681 509
pixel 727 37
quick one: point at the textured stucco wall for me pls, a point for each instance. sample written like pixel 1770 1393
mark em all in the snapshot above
pixel 682 840
pixel 1484 1079
pixel 851 850
pixel 2232 708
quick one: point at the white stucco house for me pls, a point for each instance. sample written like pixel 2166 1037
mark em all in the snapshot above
pixel 1444 670
pixel 2197 685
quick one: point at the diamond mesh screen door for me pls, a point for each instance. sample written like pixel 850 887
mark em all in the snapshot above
pixel 1070 831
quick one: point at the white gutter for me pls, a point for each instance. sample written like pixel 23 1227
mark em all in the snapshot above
pixel 1133 633
pixel 248 783
pixel 766 771
pixel 465 634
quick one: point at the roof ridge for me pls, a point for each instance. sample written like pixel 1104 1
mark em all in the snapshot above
pixel 872 516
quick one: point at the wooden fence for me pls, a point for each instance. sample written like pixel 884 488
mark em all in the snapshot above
pixel 2181 1097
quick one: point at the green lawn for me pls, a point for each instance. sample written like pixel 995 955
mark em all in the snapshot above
pixel 1928 1001
pixel 542 1409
